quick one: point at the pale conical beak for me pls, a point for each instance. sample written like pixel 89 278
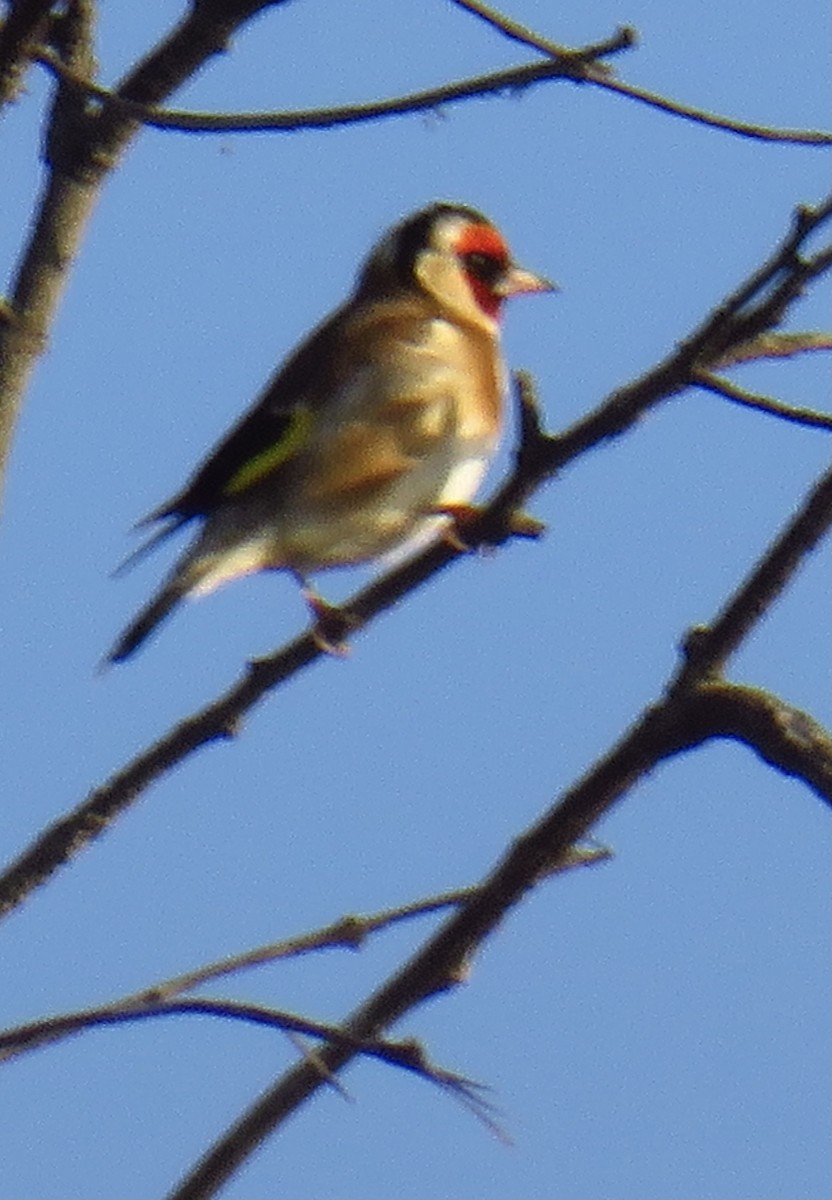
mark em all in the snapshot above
pixel 518 280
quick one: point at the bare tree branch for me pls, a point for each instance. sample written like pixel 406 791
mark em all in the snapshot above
pixel 572 65
pixel 782 735
pixel 43 270
pixel 517 32
pixel 408 1055
pixel 165 999
pixel 777 345
pixel 347 933
pixel 84 143
pixel 695 707
pixel 601 75
pixel 25 26
pixel 577 66
pixel 758 304
pixel 708 647
pixel 91 127
pixel 777 408
pixel 36 1034
pixel 700 116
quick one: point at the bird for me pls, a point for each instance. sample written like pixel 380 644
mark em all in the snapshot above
pixel 373 434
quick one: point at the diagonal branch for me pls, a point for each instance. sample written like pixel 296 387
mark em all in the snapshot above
pixel 777 408
pixel 347 933
pixel 708 647
pixel 777 345
pixel 695 708
pixel 514 30
pixel 759 303
pixel 700 116
pixel 600 75
pixel 165 999
pixel 350 933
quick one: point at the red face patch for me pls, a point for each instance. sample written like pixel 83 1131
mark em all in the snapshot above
pixel 484 257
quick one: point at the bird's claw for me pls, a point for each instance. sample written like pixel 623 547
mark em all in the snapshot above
pixel 461 515
pixel 330 624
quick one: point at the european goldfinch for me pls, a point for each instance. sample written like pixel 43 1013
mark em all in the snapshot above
pixel 385 416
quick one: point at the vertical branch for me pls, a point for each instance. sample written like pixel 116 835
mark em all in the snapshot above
pixel 83 145
pixel 55 234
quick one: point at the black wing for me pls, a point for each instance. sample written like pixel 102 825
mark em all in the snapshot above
pixel 265 437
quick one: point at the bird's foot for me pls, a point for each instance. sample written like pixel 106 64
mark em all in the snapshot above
pixel 330 625
pixel 462 516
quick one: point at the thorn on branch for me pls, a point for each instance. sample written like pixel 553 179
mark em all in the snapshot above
pixel 312 1056
pixel 624 38
pixel 522 525
pixel 232 728
pixel 805 217
pixel 351 932
pixel 534 443
pixel 695 642
pixel 577 855
pixel 457 972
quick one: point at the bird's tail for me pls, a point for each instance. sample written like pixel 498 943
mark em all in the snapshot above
pixel 160 607
pixel 219 555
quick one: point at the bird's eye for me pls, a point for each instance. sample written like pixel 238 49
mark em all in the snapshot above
pixel 486 267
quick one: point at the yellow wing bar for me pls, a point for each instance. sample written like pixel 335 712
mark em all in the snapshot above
pixel 293 439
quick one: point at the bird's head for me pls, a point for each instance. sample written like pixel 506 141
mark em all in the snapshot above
pixel 456 257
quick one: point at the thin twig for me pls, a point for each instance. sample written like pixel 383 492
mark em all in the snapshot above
pixel 577 66
pixel 35 1034
pixel 777 408
pixel 349 932
pixel 601 75
pixel 701 116
pixel 511 29
pixel 513 79
pixel 407 1055
pixel 777 345
pixel 624 38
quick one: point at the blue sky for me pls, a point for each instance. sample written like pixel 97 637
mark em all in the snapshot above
pixel 654 1029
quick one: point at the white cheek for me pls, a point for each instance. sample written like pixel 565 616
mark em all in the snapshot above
pixel 443 278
